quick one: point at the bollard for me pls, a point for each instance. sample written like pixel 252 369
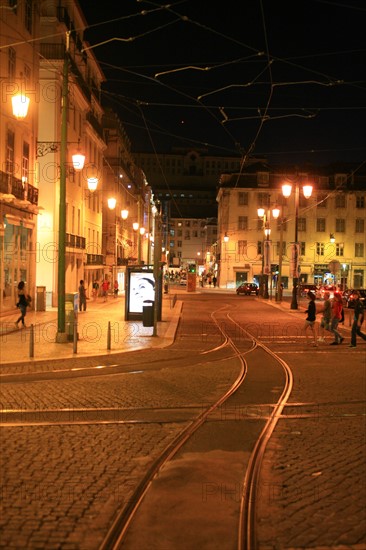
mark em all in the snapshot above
pixel 31 341
pixel 75 338
pixel 109 336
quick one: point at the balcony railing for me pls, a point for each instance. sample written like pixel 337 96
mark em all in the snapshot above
pixel 95 259
pixel 10 185
pixel 75 241
pixel 93 121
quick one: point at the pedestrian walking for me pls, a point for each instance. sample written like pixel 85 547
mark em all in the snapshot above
pixel 115 289
pixel 95 289
pixel 310 319
pixel 358 318
pixel 325 322
pixel 214 280
pixel 105 289
pixel 82 296
pixel 337 308
pixel 24 301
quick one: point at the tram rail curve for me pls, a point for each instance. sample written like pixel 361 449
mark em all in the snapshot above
pixel 245 348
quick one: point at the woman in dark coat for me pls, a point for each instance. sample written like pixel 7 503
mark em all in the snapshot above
pixel 22 304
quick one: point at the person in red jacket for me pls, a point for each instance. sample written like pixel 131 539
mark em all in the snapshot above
pixel 336 319
pixel 105 289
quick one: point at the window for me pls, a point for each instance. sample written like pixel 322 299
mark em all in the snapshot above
pixel 10 139
pixel 359 250
pixel 179 244
pixel 360 202
pixel 11 62
pixel 243 198
pixel 340 225
pixel 13 4
pixel 28 15
pixel 283 248
pixel 340 200
pixel 301 224
pixel 320 249
pixel 263 178
pixel 360 225
pixel 25 161
pixel 259 247
pixel 320 225
pixel 27 77
pixel 322 200
pixel 187 235
pixel 195 233
pixel 302 248
pixel 243 222
pixel 242 247
pixel 263 200
pixel 179 233
pixel 339 249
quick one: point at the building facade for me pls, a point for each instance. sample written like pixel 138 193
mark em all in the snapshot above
pixel 44 57
pixel 19 199
pixel 330 227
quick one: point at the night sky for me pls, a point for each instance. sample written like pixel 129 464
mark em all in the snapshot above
pixel 276 79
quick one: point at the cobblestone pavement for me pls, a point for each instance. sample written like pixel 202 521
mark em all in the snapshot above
pixel 62 484
pixel 314 470
pixel 93 326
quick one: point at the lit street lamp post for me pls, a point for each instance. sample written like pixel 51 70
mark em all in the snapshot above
pixel 278 296
pixel 295 249
pixel 61 335
pixel 266 253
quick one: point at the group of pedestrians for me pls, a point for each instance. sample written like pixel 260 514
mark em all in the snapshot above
pixel 105 286
pixel 332 315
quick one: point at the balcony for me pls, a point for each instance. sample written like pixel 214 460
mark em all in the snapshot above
pixel 75 241
pixel 9 185
pixel 95 259
pixel 94 123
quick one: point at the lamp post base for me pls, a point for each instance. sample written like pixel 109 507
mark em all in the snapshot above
pixel 294 304
pixel 61 338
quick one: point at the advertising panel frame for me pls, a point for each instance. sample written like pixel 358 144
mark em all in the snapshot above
pixel 141 287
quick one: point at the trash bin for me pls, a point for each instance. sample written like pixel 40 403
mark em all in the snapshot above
pixel 71 313
pixel 41 298
pixel 148 314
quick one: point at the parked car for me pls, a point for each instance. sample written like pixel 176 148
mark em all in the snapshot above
pixel 349 297
pixel 307 287
pixel 248 288
pixel 183 281
pixel 332 289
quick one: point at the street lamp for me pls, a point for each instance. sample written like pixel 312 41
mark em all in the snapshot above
pixel 20 104
pixel 295 247
pixel 266 253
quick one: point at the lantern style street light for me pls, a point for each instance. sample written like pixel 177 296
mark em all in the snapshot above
pixel 20 105
pixel 295 248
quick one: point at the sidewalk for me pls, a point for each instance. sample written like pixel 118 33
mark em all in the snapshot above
pixel 16 345
pixel 93 332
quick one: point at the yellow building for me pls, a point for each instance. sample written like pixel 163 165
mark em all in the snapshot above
pixel 329 227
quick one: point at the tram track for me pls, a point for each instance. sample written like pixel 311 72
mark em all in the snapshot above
pixel 206 478
pixel 244 346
